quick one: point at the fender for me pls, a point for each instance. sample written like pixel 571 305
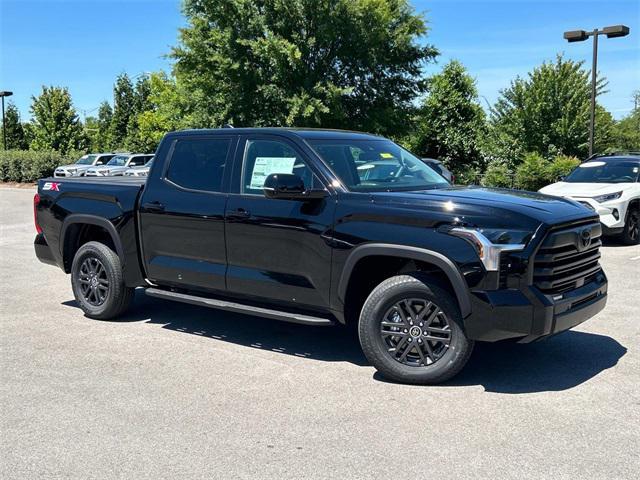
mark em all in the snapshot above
pixel 92 220
pixel 447 266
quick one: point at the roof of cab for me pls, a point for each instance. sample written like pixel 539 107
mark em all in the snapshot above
pixel 614 159
pixel 306 133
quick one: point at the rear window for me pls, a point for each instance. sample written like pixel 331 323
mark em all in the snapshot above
pixel 198 164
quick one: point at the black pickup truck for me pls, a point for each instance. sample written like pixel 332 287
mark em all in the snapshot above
pixel 326 227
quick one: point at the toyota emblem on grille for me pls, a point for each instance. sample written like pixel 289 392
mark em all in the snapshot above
pixel 585 238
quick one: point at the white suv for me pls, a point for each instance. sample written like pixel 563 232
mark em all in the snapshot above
pixel 608 184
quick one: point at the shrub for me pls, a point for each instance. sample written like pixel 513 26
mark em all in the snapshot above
pixel 561 166
pixel 30 165
pixel 533 173
pixel 497 175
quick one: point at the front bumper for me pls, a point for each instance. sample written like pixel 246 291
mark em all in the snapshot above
pixel 530 315
pixel 608 212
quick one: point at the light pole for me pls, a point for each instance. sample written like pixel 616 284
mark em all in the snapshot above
pixel 579 36
pixel 4 125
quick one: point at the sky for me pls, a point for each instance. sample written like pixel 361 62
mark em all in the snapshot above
pixel 84 45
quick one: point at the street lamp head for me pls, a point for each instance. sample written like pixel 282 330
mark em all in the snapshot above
pixel 575 36
pixel 5 94
pixel 616 31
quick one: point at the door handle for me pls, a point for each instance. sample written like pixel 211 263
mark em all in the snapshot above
pixel 239 213
pixel 153 207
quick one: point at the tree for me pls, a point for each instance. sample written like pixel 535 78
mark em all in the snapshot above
pixel 626 133
pixel 123 108
pixel 451 121
pixel 55 122
pixel 337 63
pixel 167 109
pixel 102 139
pixel 91 130
pixel 15 132
pixel 546 113
pixel 141 104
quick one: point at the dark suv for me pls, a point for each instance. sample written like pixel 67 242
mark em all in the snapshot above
pixel 326 227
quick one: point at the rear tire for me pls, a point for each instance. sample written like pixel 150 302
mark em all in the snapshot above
pixel 410 330
pixel 631 232
pixel 98 283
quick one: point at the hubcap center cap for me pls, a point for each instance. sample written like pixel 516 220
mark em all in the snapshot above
pixel 415 331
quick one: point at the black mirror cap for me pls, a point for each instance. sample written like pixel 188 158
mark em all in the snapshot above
pixel 283 185
pixel 288 186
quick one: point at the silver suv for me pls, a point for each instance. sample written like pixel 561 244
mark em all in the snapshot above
pixel 142 171
pixel 85 162
pixel 119 164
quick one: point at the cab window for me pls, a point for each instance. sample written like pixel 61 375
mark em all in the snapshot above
pixel 264 157
pixel 198 164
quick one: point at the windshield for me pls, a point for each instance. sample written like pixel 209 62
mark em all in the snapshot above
pixel 86 160
pixel 376 165
pixel 118 161
pixel 605 172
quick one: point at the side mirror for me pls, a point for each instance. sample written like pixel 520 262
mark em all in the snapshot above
pixel 288 186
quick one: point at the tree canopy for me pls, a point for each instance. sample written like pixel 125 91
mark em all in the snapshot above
pixel 335 63
pixel 450 122
pixel 123 109
pixel 15 135
pixel 55 123
pixel 547 112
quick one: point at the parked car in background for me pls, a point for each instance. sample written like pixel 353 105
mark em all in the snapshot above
pixel 439 167
pixel 608 184
pixel 119 164
pixel 83 164
pixel 141 171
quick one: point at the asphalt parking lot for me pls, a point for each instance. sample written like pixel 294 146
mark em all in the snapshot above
pixel 176 390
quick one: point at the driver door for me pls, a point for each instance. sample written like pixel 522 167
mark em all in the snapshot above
pixel 277 249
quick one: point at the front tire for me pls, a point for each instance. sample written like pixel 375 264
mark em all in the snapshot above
pixel 97 282
pixel 631 232
pixel 410 330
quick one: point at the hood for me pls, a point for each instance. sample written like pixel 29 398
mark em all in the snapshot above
pixel 74 165
pixel 489 207
pixel 107 167
pixel 584 190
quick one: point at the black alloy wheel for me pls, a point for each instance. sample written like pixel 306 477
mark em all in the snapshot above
pixel 97 280
pixel 411 330
pixel 93 280
pixel 416 332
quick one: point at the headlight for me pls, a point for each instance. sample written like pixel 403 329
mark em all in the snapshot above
pixel 607 196
pixel 490 242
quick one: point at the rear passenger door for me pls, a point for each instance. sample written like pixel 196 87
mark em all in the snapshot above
pixel 182 214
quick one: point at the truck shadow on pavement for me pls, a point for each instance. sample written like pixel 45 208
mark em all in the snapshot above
pixel 555 364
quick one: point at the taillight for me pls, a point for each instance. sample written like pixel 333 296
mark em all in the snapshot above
pixel 36 202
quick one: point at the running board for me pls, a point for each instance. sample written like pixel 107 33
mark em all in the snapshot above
pixel 239 308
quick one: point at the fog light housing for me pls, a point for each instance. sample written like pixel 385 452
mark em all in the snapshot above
pixel 615 214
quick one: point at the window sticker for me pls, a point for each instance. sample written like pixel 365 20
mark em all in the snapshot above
pixel 386 155
pixel 265 166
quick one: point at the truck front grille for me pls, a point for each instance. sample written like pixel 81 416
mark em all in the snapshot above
pixel 568 258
